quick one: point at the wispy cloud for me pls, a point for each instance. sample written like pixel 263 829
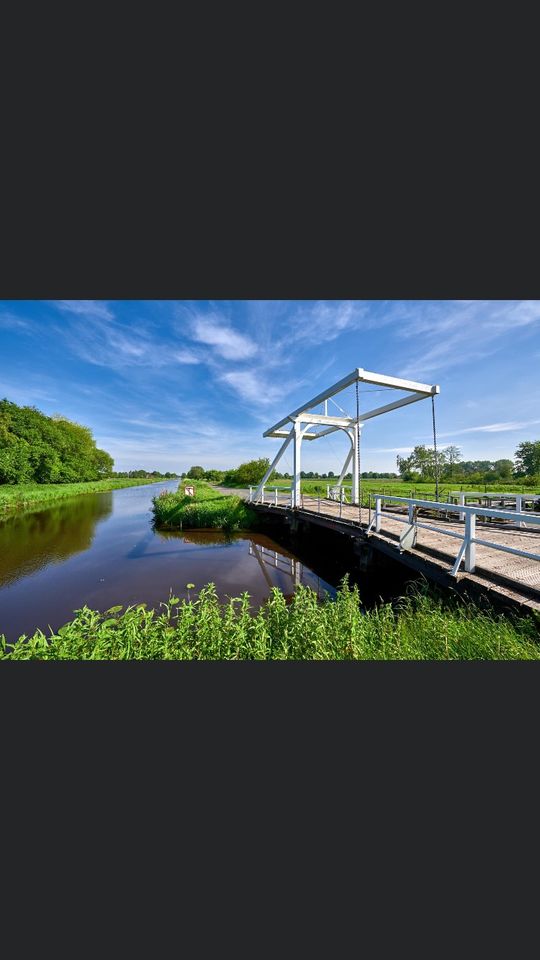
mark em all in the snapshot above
pixel 249 386
pixel 8 321
pixel 503 427
pixel 226 341
pixel 457 332
pixel 86 308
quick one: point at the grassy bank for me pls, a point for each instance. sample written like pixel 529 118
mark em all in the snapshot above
pixel 18 496
pixel 208 508
pixel 421 626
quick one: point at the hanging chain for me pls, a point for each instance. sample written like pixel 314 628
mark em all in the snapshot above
pixel 435 448
pixel 358 454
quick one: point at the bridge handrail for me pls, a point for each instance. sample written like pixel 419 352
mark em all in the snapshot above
pixel 467 550
pixel 462 508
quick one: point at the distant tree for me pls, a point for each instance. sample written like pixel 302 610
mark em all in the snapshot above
pixel 331 473
pixel 249 473
pixel 528 457
pixel 452 456
pixel 195 473
pixel 504 469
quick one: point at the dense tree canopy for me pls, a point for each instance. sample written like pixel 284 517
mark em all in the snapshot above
pixel 528 457
pixel 35 448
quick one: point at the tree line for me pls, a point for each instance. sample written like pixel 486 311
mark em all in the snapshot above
pixel 423 464
pixel 420 466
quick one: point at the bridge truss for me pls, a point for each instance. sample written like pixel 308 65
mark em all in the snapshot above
pixel 295 427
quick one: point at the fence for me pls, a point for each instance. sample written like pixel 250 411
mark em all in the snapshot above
pixel 467 550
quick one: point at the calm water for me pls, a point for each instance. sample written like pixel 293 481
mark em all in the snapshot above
pixel 100 550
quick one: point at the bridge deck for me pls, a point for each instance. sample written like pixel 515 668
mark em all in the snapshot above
pixel 516 578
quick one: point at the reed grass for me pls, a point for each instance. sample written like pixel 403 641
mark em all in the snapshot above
pixel 421 626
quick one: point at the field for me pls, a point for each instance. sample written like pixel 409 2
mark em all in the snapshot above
pixel 18 496
pixel 207 509
pixel 420 626
pixel 317 488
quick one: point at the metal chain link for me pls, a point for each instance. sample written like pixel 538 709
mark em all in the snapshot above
pixel 435 448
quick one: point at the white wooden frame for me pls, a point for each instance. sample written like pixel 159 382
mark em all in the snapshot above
pixel 295 427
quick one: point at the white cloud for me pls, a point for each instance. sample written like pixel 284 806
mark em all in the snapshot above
pixel 86 308
pixel 8 321
pixel 504 426
pixel 228 343
pixel 456 332
pixel 185 356
pixel 250 387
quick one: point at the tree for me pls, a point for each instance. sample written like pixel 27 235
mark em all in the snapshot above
pixel 452 456
pixel 528 457
pixel 250 473
pixel 41 449
pixel 195 473
pixel 503 469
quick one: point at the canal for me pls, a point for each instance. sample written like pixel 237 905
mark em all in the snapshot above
pixel 101 550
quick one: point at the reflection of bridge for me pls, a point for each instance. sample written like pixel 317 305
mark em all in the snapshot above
pixel 271 558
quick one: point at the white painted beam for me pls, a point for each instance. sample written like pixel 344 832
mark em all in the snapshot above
pixel 274 463
pixel 396 383
pixel 319 418
pixel 364 376
pixel 330 392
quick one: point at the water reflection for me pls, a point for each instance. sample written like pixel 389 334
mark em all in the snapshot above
pixel 54 533
pixel 101 550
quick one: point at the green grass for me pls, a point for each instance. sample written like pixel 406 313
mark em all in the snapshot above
pixel 421 626
pixel 18 496
pixel 207 509
pixel 399 488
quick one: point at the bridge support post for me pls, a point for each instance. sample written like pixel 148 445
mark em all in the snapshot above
pixel 470 546
pixel 296 483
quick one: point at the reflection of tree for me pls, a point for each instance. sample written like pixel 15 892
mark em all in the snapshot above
pixel 32 540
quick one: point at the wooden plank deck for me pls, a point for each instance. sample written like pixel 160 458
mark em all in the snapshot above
pixel 516 578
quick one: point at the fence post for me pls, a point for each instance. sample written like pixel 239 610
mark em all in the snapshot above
pixel 262 495
pixel 470 548
pixel 250 494
pixel 411 513
pixel 275 497
pixel 377 514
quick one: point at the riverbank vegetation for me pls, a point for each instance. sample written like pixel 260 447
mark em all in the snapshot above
pixel 19 496
pixel 35 448
pixel 207 508
pixel 420 626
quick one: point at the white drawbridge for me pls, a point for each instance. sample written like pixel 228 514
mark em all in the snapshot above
pixel 295 427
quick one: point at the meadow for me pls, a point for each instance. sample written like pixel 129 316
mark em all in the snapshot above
pixel 400 488
pixel 15 497
pixel 422 625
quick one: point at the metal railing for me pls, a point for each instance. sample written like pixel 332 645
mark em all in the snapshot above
pixel 278 496
pixel 338 491
pixel 467 551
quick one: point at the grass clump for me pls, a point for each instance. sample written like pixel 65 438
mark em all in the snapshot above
pixel 421 626
pixel 208 508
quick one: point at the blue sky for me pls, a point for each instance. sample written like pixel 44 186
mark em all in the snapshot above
pixel 166 384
